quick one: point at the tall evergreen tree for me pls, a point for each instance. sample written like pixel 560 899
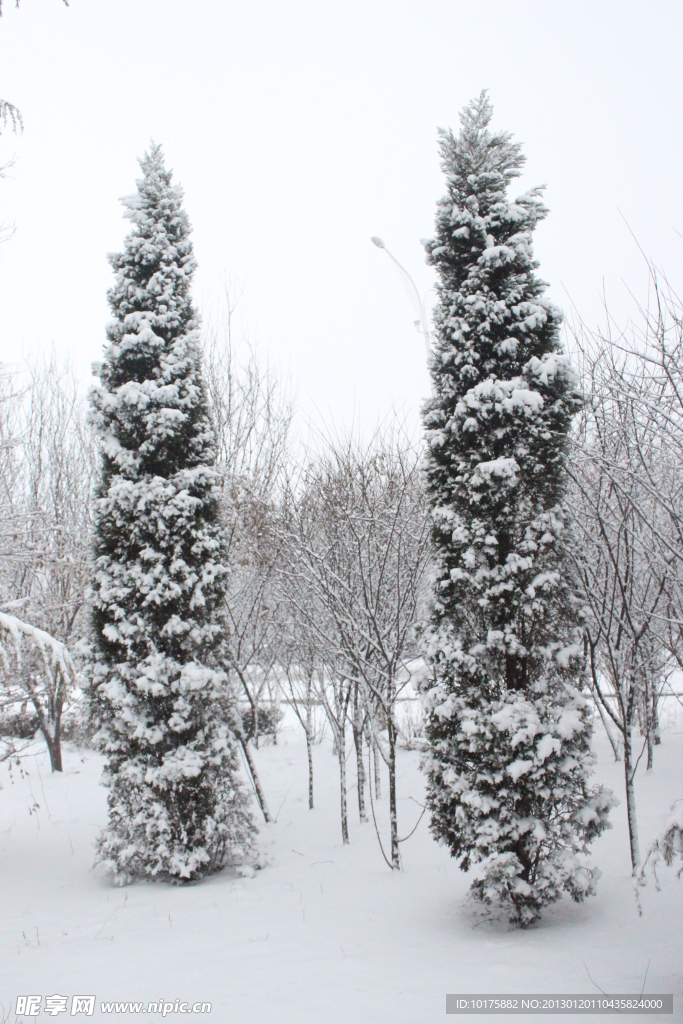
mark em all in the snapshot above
pixel 177 808
pixel 508 729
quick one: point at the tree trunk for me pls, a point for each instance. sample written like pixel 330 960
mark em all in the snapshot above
pixel 235 720
pixel 391 729
pixel 341 752
pixel 258 789
pixel 360 767
pixel 629 771
pixel 309 752
pixel 51 727
pixel 589 674
pixel 615 741
pixel 649 730
pixel 377 769
pixel 655 716
pixel 54 746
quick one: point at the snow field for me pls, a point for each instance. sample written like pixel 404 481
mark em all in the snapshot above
pixel 324 933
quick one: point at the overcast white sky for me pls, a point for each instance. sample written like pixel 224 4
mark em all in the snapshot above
pixel 298 130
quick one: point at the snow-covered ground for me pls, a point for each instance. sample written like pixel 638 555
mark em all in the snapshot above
pixel 324 933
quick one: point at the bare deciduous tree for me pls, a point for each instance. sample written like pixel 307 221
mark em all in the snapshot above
pixel 48 689
pixel 46 476
pixel 358 550
pixel 301 674
pixel 626 498
pixel 252 414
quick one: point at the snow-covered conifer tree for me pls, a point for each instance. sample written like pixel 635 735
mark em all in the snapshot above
pixel 177 807
pixel 508 729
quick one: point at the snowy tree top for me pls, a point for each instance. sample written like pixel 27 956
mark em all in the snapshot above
pixel 151 411
pixel 155 269
pixel 476 151
pixel 476 214
pixel 492 317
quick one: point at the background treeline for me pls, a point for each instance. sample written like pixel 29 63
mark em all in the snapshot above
pixel 329 555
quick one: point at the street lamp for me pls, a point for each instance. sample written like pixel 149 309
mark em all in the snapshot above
pixel 420 305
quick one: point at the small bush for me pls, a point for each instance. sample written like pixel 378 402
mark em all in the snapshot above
pixel 269 718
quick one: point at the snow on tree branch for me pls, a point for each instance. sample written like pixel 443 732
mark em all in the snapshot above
pixel 56 657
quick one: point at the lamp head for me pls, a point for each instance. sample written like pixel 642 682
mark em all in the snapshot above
pixel 378 242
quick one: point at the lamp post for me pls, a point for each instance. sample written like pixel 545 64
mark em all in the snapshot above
pixel 420 305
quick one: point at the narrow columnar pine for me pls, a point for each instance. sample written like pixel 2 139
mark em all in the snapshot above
pixel 177 807
pixel 508 728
